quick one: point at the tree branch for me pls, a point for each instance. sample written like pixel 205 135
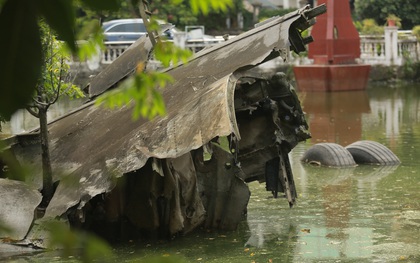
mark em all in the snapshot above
pixel 32 112
pixel 59 81
pixel 40 102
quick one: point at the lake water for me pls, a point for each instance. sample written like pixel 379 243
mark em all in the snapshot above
pixel 361 214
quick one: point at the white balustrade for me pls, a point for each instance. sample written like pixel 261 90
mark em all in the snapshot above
pixel 402 46
pixel 372 49
pixel 395 47
pixel 114 50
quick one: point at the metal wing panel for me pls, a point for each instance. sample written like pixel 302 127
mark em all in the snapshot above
pixel 98 142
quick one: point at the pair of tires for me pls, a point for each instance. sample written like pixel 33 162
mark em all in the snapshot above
pixel 360 152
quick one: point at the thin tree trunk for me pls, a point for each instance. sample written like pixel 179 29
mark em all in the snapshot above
pixel 47 183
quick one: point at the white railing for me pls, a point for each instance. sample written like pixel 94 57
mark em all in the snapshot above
pixel 392 48
pixel 409 49
pixel 114 50
pixel 374 49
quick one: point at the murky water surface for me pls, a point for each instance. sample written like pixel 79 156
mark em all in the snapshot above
pixel 361 214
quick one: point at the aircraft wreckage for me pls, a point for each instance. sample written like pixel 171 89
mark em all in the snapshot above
pixel 226 125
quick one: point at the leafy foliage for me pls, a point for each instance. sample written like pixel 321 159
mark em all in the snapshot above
pixel 179 14
pixel 191 12
pixel 416 31
pixel 52 84
pixel 216 20
pixel 168 53
pixel 54 80
pixel 205 6
pixel 86 15
pixel 407 10
pixel 23 56
pixel 18 23
pixel 140 90
pixel 396 20
pixel 369 27
pixel 60 16
pixel 196 6
pixel 27 69
pixel 108 5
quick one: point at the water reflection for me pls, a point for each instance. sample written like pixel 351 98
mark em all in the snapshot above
pixel 361 214
pixel 390 110
pixel 336 116
pixel 341 214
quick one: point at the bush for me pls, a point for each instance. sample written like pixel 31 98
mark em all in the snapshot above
pixel 369 27
pixel 416 32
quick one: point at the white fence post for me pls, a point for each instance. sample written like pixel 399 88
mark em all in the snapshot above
pixel 391 46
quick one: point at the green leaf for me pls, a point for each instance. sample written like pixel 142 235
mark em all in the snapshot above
pixel 205 6
pixel 167 53
pixel 59 14
pixel 21 58
pixel 135 2
pixel 102 5
pixel 176 2
pixel 141 89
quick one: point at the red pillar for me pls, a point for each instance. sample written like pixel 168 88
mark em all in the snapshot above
pixel 335 49
pixel 336 38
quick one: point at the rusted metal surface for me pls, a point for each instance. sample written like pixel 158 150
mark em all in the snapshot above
pixel 93 146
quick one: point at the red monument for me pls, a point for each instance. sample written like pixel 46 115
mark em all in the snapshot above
pixel 334 51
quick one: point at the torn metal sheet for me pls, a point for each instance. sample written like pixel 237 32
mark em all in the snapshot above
pixel 105 142
pixel 136 54
pixel 98 145
pixel 18 202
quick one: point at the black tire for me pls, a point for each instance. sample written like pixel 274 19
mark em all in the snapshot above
pixel 370 152
pixel 328 154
